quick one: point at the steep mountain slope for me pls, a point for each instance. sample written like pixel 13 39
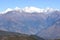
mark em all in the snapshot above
pixel 54 30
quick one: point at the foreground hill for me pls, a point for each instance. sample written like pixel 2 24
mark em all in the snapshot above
pixel 4 35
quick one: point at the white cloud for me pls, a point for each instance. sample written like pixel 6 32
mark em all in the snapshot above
pixel 8 9
pixel 30 9
pixel 49 9
pixel 35 9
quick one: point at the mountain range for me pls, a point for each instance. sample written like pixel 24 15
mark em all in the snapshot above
pixel 43 24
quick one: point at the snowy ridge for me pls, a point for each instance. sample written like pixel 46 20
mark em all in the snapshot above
pixel 30 10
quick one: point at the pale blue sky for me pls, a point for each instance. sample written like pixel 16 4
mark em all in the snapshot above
pixel 4 4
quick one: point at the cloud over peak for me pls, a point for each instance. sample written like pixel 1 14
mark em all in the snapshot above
pixel 39 10
pixel 30 9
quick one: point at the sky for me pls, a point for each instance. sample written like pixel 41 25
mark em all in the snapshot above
pixel 4 4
